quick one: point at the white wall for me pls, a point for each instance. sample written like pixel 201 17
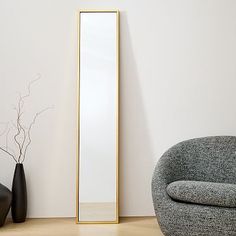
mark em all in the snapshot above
pixel 178 79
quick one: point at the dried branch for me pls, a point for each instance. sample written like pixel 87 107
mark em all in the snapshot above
pixel 29 87
pixel 29 130
pixel 23 142
pixel 10 150
pixel 21 128
pixel 5 149
pixel 14 125
pixel 8 153
pixel 22 137
pixel 21 100
pixel 19 113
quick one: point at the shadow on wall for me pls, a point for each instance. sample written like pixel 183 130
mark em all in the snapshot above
pixel 136 161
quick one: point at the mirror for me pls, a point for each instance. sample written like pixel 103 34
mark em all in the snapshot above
pixel 98 121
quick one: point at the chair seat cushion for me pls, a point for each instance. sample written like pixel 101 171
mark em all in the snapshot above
pixel 206 193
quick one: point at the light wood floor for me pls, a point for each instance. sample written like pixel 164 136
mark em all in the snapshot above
pixel 97 211
pixel 130 226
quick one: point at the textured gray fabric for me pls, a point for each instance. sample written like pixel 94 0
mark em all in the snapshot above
pixel 210 159
pixel 206 193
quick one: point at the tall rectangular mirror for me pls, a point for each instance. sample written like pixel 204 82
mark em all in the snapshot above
pixel 98 119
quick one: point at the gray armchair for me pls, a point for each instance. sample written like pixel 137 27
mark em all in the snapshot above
pixel 193 188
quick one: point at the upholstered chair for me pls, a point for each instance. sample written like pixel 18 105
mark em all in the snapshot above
pixel 5 203
pixel 194 188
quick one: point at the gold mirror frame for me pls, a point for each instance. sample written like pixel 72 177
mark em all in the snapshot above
pixel 117 117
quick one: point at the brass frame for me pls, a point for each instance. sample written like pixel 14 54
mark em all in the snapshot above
pixel 117 118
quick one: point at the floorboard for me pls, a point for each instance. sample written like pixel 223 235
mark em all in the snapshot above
pixel 129 226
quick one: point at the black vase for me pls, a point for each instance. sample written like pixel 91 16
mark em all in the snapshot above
pixel 19 195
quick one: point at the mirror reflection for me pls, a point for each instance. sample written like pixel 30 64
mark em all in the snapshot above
pixel 98 113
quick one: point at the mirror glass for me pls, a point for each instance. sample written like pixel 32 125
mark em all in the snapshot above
pixel 98 117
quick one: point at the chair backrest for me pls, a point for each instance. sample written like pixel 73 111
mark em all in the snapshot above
pixel 209 159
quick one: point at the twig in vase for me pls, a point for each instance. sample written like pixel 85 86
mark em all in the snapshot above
pixel 29 130
pixel 22 137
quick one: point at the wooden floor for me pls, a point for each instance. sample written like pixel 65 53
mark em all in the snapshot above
pixel 130 226
pixel 97 211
